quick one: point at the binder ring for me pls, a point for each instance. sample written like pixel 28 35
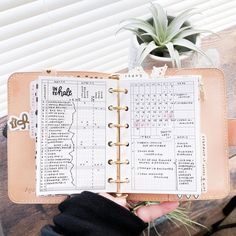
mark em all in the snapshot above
pixel 111 125
pixel 112 162
pixel 112 144
pixel 111 180
pixel 115 76
pixel 118 90
pixel 112 108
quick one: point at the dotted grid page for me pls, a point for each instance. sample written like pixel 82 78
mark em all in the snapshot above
pixel 71 139
pixel 164 135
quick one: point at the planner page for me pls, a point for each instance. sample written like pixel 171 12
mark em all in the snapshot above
pixel 71 135
pixel 163 134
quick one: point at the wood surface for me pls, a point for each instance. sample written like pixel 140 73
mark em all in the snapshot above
pixel 27 220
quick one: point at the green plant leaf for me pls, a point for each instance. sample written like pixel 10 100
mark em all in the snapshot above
pixel 173 34
pixel 148 48
pixel 140 24
pixel 179 20
pixel 162 17
pixel 135 32
pixel 154 227
pixel 177 59
pixel 171 51
pixel 189 32
pixel 160 20
pixel 139 54
pixel 154 36
pixel 156 23
pixel 187 44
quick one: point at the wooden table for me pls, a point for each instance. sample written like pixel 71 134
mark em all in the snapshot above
pixel 27 220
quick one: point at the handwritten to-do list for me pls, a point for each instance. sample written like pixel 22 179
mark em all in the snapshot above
pixel 71 144
pixel 164 133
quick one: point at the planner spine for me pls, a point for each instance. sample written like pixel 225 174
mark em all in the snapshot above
pixel 118 143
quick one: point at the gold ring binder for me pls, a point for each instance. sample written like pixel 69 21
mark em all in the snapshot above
pixel 118 108
pixel 112 162
pixel 112 144
pixel 111 125
pixel 111 180
pixel 114 76
pixel 118 90
pixel 118 142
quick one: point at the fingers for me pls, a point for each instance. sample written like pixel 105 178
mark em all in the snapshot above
pixel 119 200
pixel 151 212
pixel 146 213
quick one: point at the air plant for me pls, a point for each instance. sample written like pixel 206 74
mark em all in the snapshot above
pixel 163 35
pixel 178 217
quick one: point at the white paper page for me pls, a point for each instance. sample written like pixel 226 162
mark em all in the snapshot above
pixel 126 171
pixel 164 135
pixel 71 145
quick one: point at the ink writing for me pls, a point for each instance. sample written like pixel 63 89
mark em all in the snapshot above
pixel 59 91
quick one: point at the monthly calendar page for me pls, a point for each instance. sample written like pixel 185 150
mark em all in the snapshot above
pixel 164 128
pixel 71 139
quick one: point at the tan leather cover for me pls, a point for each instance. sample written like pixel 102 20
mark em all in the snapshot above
pixel 232 132
pixel 21 148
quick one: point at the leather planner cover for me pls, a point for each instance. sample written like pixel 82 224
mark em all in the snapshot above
pixel 214 127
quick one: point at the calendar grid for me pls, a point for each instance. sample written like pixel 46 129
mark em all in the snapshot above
pixel 156 114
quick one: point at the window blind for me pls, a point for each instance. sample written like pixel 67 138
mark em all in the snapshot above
pixel 81 35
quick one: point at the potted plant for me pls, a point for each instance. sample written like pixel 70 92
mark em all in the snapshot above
pixel 165 38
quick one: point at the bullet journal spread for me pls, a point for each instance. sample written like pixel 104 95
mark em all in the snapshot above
pixel 126 135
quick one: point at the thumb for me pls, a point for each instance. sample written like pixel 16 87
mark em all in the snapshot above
pixel 151 212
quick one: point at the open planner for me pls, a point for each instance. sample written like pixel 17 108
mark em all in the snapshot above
pixel 144 136
pixel 128 135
